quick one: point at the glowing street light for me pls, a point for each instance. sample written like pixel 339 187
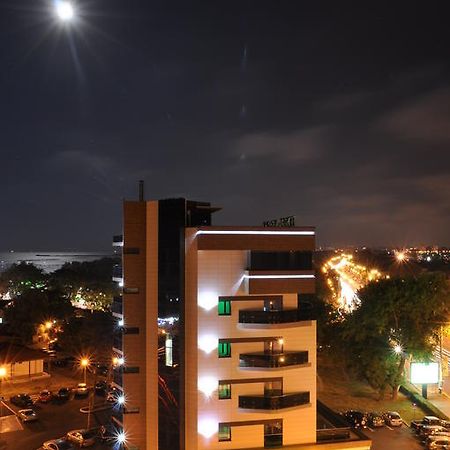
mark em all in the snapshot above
pixel 398 349
pixel 84 363
pixel 48 324
pixel 401 256
pixel 64 10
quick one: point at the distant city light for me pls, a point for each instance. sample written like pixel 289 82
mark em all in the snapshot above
pixel 64 10
pixel 401 256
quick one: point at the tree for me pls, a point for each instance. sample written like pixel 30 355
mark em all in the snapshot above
pixel 20 277
pixel 34 307
pixel 87 283
pixel 396 313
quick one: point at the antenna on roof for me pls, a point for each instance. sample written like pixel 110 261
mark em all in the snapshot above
pixel 141 190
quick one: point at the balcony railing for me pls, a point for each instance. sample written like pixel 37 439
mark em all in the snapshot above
pixel 118 240
pixel 117 305
pixel 117 272
pixel 273 360
pixel 273 402
pixel 117 414
pixel 118 377
pixel 118 341
pixel 274 316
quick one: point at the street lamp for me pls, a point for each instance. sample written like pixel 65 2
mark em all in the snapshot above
pixel 84 363
pixel 398 349
pixel 64 10
pixel 3 373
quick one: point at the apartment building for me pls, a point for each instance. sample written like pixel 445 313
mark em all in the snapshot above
pixel 245 376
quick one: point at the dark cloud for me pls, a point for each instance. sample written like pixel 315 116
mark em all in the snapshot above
pixel 338 115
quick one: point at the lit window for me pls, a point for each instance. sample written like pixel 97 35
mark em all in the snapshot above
pixel 224 349
pixel 224 307
pixel 224 432
pixel 224 391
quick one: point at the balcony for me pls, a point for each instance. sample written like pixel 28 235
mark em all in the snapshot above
pixel 117 305
pixel 117 273
pixel 273 360
pixel 118 377
pixel 118 342
pixel 275 316
pixel 117 241
pixel 273 402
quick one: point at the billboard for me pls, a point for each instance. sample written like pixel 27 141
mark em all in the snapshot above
pixel 424 373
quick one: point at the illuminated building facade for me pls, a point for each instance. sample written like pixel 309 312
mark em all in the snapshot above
pixel 246 372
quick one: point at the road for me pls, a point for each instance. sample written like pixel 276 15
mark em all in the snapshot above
pixel 393 438
pixel 55 420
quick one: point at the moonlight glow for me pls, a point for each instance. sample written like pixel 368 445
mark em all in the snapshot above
pixel 64 10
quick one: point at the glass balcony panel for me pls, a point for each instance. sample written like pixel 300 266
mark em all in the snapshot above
pixel 274 316
pixel 261 359
pixel 273 402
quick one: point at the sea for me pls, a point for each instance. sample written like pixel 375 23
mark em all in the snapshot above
pixel 48 261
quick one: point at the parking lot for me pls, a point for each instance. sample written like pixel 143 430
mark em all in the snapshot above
pixel 393 438
pixel 54 420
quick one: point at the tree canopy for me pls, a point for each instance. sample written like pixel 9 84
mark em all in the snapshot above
pixel 402 313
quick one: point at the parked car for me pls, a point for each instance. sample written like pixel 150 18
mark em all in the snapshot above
pixel 427 420
pixel 23 400
pixel 393 419
pixel 63 394
pixel 100 388
pixel 356 418
pixel 57 444
pixel 45 396
pixel 428 430
pixel 375 419
pixel 440 443
pixel 83 438
pixel 437 435
pixel 27 415
pixel 81 390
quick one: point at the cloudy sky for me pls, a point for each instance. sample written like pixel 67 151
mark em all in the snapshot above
pixel 335 112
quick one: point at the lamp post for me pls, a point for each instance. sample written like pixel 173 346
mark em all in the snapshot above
pixel 84 363
pixel 2 375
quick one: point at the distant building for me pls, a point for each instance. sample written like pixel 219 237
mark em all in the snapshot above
pixel 21 363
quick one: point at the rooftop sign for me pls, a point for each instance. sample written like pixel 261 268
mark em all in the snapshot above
pixel 288 221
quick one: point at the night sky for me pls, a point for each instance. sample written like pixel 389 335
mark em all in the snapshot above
pixel 336 112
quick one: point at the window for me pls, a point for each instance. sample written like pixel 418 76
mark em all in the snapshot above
pixel 224 307
pixel 131 251
pixel 130 369
pixel 131 290
pixel 224 432
pixel 131 330
pixel 224 391
pixel 224 349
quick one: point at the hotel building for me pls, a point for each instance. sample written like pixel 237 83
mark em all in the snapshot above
pixel 246 339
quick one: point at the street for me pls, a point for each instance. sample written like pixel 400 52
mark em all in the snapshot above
pixel 393 438
pixel 55 420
